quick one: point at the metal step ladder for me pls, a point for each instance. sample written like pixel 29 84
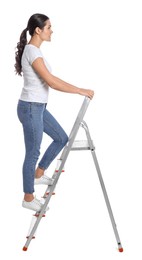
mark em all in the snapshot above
pixel 72 145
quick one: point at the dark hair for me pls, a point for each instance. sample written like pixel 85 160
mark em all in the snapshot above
pixel 36 20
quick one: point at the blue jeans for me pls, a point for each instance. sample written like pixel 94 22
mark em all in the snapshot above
pixel 35 120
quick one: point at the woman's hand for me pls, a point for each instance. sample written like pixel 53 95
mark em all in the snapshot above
pixel 86 92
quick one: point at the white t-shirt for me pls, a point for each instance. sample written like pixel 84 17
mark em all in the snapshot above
pixel 35 88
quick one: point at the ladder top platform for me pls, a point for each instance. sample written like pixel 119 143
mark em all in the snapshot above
pixel 80 145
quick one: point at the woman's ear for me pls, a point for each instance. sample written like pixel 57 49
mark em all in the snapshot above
pixel 37 30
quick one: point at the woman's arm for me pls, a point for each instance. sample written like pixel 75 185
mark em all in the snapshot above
pixel 56 83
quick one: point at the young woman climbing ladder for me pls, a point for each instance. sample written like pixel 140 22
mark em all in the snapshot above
pixel 32 106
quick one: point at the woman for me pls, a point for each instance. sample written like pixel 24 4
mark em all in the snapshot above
pixel 31 109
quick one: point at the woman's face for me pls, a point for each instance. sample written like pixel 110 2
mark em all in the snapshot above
pixel 46 32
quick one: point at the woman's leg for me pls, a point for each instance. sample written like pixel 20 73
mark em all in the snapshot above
pixel 31 117
pixel 56 132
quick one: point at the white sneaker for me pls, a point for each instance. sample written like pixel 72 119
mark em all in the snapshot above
pixel 35 204
pixel 44 179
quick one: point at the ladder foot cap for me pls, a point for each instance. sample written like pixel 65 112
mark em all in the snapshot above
pixel 120 250
pixel 25 248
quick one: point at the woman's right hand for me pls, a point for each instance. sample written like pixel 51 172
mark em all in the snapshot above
pixel 86 92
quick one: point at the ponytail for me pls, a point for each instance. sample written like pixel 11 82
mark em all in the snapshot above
pixel 18 54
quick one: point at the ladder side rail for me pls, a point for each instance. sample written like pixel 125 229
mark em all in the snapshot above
pixel 64 156
pixel 92 148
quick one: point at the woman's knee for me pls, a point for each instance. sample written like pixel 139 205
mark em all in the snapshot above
pixel 65 139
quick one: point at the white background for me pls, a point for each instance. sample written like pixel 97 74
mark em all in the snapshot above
pixel 96 44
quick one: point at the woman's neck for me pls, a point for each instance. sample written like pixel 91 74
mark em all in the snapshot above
pixel 36 41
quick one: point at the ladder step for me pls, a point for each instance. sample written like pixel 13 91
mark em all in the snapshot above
pixel 80 145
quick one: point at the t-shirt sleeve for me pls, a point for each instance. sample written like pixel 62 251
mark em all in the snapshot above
pixel 33 54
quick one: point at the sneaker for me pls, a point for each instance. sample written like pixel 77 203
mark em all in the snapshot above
pixel 35 204
pixel 44 179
